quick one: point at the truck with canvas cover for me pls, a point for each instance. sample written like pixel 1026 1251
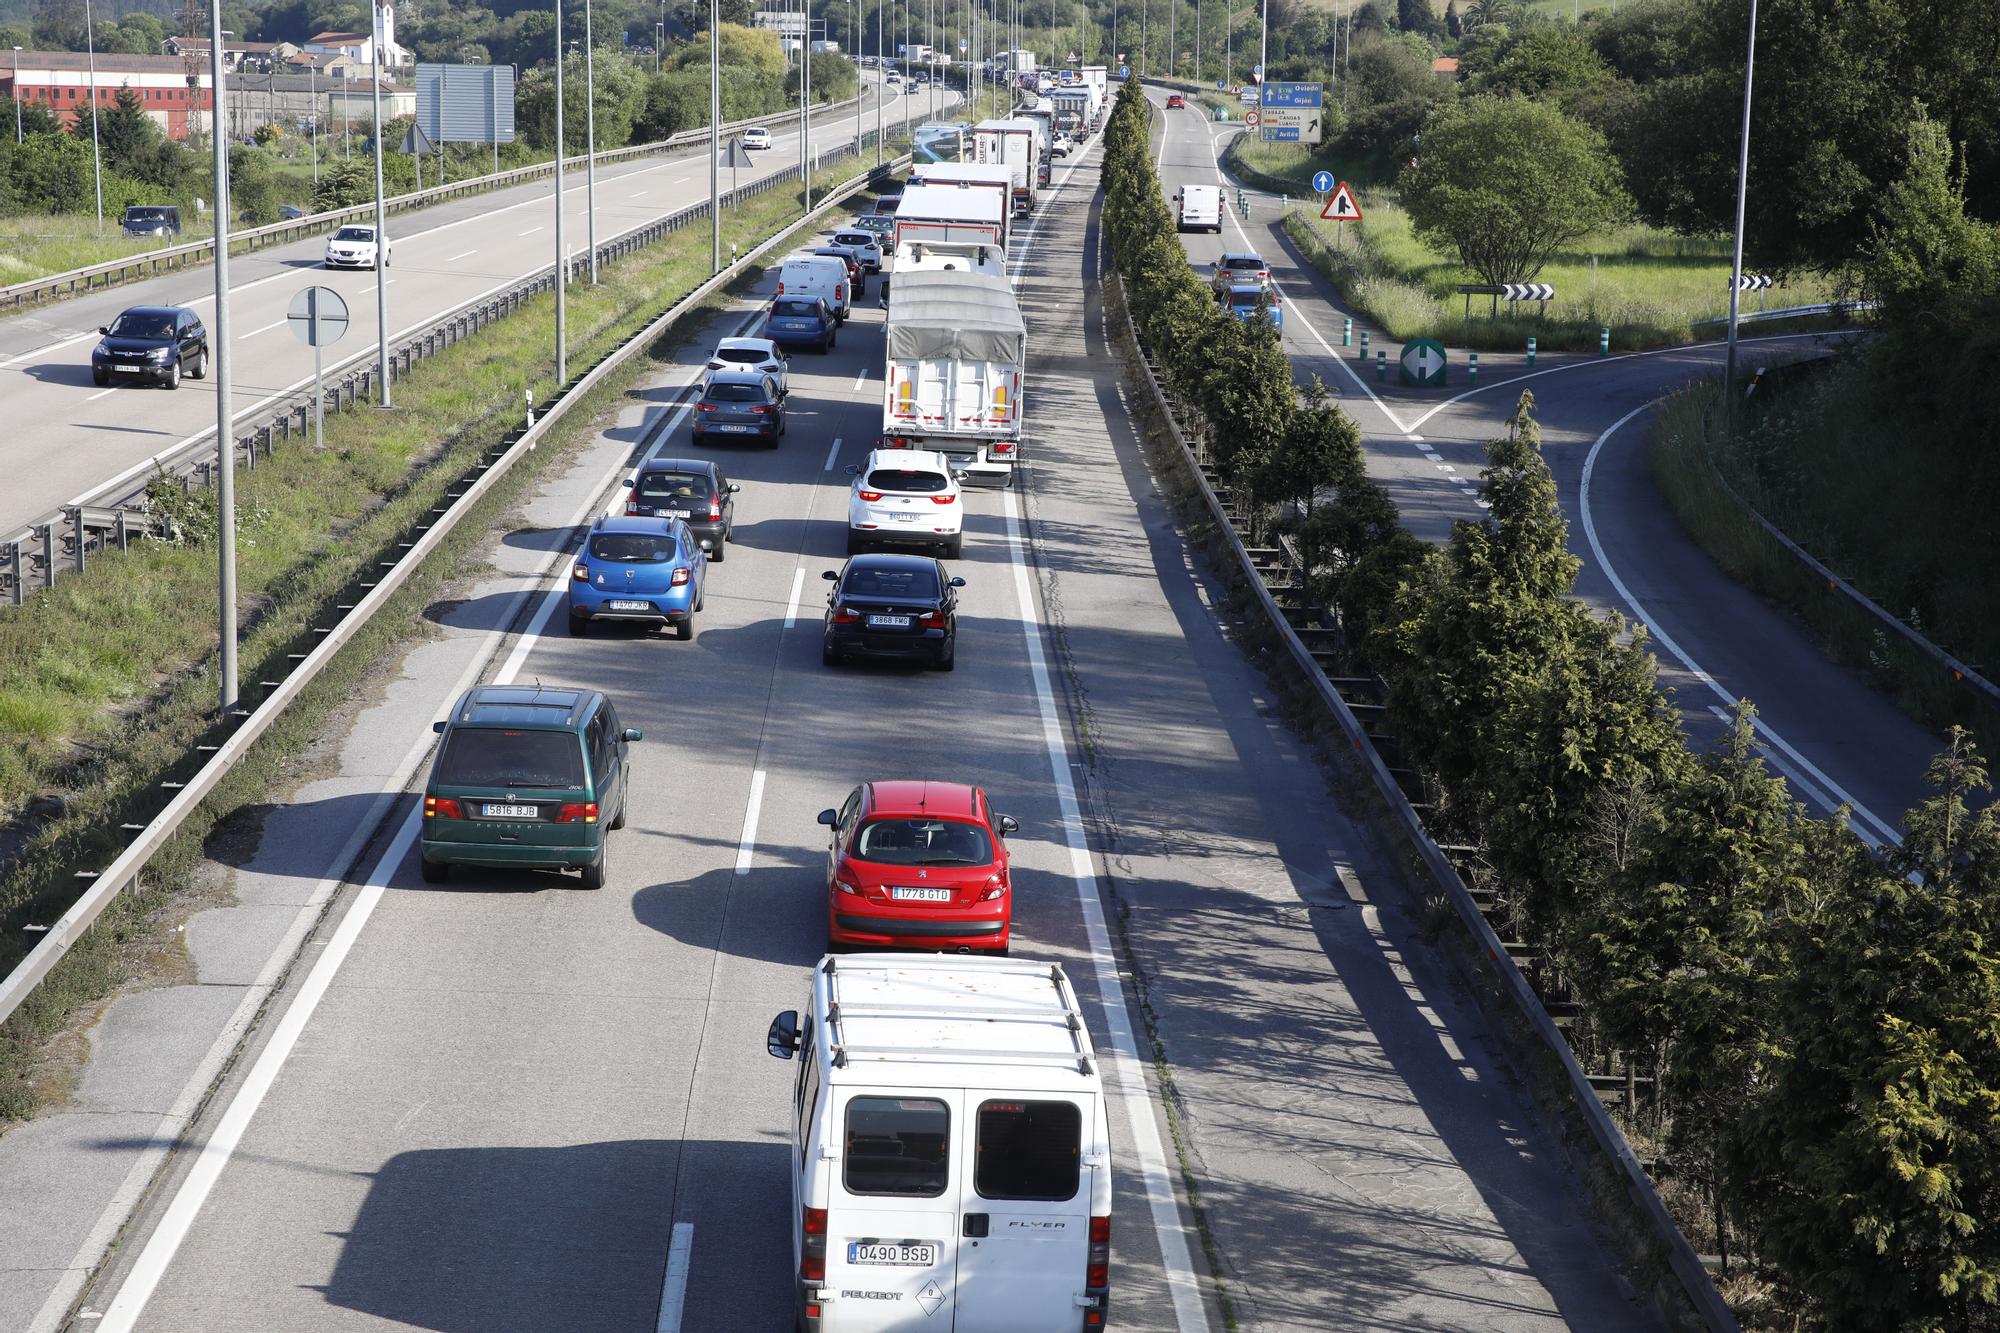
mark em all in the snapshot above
pixel 956 353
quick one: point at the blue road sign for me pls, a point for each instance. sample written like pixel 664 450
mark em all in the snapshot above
pixel 1322 182
pixel 1293 94
pixel 1124 71
pixel 1281 134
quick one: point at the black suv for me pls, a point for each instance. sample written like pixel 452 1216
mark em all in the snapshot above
pixel 157 221
pixel 151 342
pixel 692 490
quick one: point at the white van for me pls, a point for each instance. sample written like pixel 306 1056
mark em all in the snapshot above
pixel 1198 208
pixel 817 275
pixel 951 1165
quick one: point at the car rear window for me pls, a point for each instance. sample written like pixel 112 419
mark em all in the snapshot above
pixel 735 393
pixel 897 1145
pixel 1028 1150
pixel 497 757
pixel 854 238
pixel 673 486
pixel 1247 265
pixel 131 325
pixel 748 356
pixel 796 309
pixel 908 479
pixel 905 583
pixel 633 548
pixel 924 842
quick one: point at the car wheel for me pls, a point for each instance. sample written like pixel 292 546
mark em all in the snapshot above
pixel 828 654
pixel 947 659
pixel 173 379
pixel 833 338
pixel 99 377
pixel 579 625
pixel 685 630
pixel 715 557
pixel 953 547
pixel 200 370
pixel 435 872
pixel 593 874
pixel 619 822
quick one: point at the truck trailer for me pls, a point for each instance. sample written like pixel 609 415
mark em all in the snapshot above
pixel 956 353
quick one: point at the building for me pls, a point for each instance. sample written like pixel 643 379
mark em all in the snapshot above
pixel 350 102
pixel 236 56
pixel 359 47
pixel 63 80
pixel 1445 67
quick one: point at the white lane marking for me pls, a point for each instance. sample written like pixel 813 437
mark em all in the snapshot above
pixel 674 1286
pixel 1185 1288
pixel 1415 439
pixel 861 379
pixel 467 255
pixel 792 607
pixel 529 232
pixel 267 328
pixel 1860 812
pixel 100 393
pixel 747 845
pixel 1435 458
pixel 832 454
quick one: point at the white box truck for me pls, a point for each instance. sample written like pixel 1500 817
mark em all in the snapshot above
pixel 951 1153
pixel 1198 208
pixel 956 351
pixel 1014 144
pixel 991 180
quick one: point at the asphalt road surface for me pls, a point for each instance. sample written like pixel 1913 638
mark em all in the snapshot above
pixel 1832 735
pixel 441 258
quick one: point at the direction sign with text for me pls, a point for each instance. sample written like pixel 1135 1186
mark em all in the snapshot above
pixel 1294 94
pixel 1423 363
pixel 1292 124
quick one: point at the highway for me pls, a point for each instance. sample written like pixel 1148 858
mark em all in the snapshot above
pixel 443 257
pixel 1823 726
pixel 502 1103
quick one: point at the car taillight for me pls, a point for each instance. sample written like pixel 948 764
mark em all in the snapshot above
pixel 715 365
pixel 812 1254
pixel 581 573
pixel 944 499
pixel 582 812
pixel 845 887
pixel 681 576
pixel 442 807
pixel 932 620
pixel 870 496
pixel 781 286
pixel 1097 1271
pixel 840 291
pixel 995 888
pixel 715 510
pixel 845 615
pixel 762 410
pixel 707 407
pixel 631 509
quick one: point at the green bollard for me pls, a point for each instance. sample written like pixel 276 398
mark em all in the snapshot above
pixel 1381 367
pixel 1472 370
pixel 1531 353
pixel 1364 347
pixel 1604 342
pixel 1347 333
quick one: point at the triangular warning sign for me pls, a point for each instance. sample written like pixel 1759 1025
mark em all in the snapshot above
pixel 1340 206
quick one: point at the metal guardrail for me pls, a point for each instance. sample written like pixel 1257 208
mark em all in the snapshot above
pixel 64 541
pixel 1835 308
pixel 1685 1264
pixel 167 259
pixel 250 724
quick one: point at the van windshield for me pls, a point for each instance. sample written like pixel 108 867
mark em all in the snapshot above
pixel 498 757
pixel 897 1145
pixel 1028 1150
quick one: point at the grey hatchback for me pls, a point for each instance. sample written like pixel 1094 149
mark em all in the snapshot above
pixel 744 404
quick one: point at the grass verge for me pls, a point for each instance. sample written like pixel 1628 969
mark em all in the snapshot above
pixel 110 683
pixel 39 246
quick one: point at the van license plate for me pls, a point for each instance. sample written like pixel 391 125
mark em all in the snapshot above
pixel 921 895
pixel 903 1255
pixel 492 811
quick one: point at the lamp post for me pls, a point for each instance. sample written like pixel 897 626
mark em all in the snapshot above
pixel 881 94
pixel 589 146
pixel 714 136
pixel 16 88
pixel 562 254
pixel 225 435
pixel 1742 192
pixel 659 44
pixel 381 206
pixel 312 99
pixel 96 155
pixel 854 59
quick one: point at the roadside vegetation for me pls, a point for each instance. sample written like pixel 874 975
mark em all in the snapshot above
pixel 1807 1026
pixel 108 680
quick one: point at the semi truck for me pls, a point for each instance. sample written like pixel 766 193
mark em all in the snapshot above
pixel 992 178
pixel 956 353
pixel 1016 145
pixel 962 225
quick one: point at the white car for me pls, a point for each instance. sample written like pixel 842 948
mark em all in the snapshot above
pixel 354 247
pixel 863 245
pixel 905 497
pixel 758 137
pixel 1061 146
pixel 758 354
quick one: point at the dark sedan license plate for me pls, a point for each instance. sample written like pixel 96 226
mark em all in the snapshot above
pixel 738 430
pixel 888 622
pixel 675 513
pixel 920 895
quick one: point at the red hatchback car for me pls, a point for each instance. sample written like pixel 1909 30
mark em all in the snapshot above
pixel 920 865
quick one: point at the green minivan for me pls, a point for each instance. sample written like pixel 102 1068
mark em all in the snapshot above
pixel 526 776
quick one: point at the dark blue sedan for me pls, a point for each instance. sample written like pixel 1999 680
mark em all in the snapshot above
pixel 801 322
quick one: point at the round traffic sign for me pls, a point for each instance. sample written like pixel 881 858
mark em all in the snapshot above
pixel 1251 118
pixel 961 45
pixel 1322 182
pixel 318 317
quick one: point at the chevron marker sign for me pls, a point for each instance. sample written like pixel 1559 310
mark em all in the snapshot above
pixel 1528 291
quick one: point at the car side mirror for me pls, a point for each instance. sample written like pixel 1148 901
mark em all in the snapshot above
pixel 854 468
pixel 830 575
pixel 630 482
pixel 438 727
pixel 783 1038
pixel 957 582
pixel 829 817
pixel 1009 824
pixel 104 328
pixel 632 734
pixel 733 488
pixel 960 475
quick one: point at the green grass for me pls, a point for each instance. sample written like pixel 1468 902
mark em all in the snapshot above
pixel 36 246
pixel 109 678
pixel 1648 286
pixel 1285 168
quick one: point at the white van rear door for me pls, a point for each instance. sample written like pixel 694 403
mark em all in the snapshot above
pixel 1024 1227
pixel 892 1224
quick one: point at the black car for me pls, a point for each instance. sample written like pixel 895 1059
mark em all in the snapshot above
pixel 856 274
pixel 692 490
pixel 153 222
pixel 743 403
pixel 892 606
pixel 151 342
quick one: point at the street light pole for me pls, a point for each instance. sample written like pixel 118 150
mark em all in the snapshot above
pixel 881 72
pixel 381 207
pixel 854 59
pixel 589 145
pixel 562 253
pixel 225 435
pixel 17 94
pixel 714 136
pixel 1263 53
pixel 312 97
pixel 1742 192
pixel 96 154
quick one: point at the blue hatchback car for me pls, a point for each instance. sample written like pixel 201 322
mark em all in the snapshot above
pixel 645 571
pixel 801 321
pixel 1248 302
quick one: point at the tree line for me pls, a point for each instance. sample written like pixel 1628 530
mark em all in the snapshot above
pixel 1817 1022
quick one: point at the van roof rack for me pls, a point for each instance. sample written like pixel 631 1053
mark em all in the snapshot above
pixel 1060 1010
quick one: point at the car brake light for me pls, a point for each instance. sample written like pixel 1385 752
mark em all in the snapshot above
pixel 680 577
pixel 812 1254
pixel 781 286
pixel 944 499
pixel 715 510
pixel 707 407
pixel 933 620
pixel 1097 1272
pixel 442 807
pixel 844 615
pixel 1003 447
pixel 631 508
pixel 715 365
pixel 581 573
pixel 840 291
pixel 584 812
pixel 995 888
pixel 870 496
pixel 765 411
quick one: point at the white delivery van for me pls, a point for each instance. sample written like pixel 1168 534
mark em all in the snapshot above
pixel 951 1164
pixel 817 275
pixel 1198 208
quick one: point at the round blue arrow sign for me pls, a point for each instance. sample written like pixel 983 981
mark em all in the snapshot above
pixel 1322 182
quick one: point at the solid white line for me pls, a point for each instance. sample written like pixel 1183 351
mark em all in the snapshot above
pixel 1182 1284
pixel 832 454
pixel 674 1286
pixel 748 843
pixel 861 379
pixel 1860 811
pixel 529 232
pixel 101 392
pixel 467 255
pixel 792 607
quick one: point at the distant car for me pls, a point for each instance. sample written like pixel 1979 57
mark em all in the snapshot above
pixel 920 864
pixel 856 274
pixel 875 225
pixel 692 490
pixel 643 571
pixel 759 137
pixel 895 606
pixel 758 354
pixel 886 206
pixel 802 321
pixel 863 246
pixel 153 343
pixel 290 212
pixel 905 497
pixel 1240 266
pixel 1061 145
pixel 740 404
pixel 1249 301
pixel 354 247
pixel 1175 102
pixel 157 222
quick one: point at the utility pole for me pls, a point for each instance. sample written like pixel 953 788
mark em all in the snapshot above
pixel 96 154
pixel 589 145
pixel 1742 193
pixel 562 253
pixel 1263 53
pixel 17 95
pixel 225 435
pixel 714 137
pixel 854 59
pixel 312 96
pixel 881 72
pixel 381 207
